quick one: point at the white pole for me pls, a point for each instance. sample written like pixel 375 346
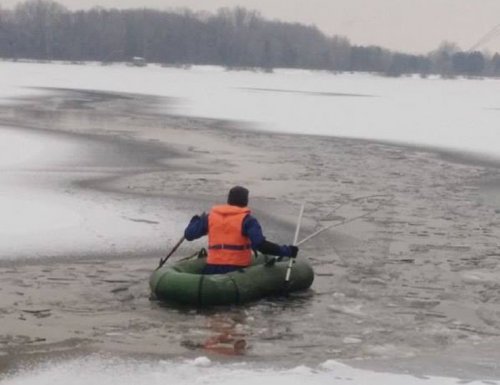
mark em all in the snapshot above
pixel 295 239
pixel 297 229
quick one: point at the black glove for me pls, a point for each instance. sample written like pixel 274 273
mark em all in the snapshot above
pixel 294 250
pixel 197 217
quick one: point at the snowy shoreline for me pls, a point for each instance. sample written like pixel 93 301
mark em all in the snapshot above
pixel 105 370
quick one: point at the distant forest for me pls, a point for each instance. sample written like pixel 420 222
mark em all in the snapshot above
pixel 234 38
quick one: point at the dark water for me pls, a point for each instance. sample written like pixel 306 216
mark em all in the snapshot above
pixel 402 287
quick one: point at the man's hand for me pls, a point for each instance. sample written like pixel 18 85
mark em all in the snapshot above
pixel 197 217
pixel 294 250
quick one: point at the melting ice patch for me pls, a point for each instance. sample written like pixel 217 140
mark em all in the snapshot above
pixel 103 371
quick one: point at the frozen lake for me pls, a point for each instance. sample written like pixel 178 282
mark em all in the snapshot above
pixel 457 115
pixel 47 213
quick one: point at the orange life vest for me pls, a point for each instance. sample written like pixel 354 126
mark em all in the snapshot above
pixel 226 244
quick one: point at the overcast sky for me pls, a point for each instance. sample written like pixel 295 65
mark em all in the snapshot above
pixel 407 25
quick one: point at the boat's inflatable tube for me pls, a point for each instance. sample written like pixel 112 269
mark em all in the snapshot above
pixel 183 283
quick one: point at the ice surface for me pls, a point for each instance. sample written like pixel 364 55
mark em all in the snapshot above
pixel 17 149
pixel 43 214
pixel 103 371
pixel 460 114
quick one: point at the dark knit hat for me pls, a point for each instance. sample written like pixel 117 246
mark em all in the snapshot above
pixel 238 196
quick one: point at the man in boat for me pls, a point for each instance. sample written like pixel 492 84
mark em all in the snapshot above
pixel 232 235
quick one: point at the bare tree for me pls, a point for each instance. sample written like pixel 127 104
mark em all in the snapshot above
pixel 237 37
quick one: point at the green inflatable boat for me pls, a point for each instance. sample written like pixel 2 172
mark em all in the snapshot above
pixel 183 283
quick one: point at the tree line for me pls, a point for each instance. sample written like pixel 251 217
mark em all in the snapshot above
pixel 235 38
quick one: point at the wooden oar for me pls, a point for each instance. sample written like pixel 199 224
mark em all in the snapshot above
pixel 163 260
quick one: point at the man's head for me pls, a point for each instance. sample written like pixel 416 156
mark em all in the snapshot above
pixel 238 196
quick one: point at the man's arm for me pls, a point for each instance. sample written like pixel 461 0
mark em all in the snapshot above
pixel 253 230
pixel 197 227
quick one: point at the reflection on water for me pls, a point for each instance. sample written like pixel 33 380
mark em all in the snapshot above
pixel 227 335
pixel 270 327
